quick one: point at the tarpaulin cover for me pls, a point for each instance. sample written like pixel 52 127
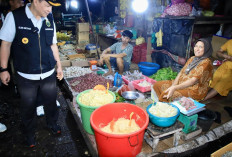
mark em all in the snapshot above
pixel 176 33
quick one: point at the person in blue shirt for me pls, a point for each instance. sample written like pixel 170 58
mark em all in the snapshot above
pixel 29 35
pixel 121 54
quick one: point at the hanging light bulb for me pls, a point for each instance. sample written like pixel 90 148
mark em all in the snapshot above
pixel 74 4
pixel 140 5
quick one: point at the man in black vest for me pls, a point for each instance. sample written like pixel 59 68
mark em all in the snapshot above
pixel 29 32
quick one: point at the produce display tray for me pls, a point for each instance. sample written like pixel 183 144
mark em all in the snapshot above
pixel 74 93
pixel 127 81
pixel 143 89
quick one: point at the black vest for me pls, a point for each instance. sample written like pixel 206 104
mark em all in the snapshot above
pixel 32 53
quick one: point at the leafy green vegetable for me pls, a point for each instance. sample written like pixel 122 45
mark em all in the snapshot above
pixel 118 98
pixel 164 74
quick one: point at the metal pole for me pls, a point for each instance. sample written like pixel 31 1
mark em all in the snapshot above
pixel 91 25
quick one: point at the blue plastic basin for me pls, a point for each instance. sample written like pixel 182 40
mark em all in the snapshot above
pixel 148 68
pixel 163 121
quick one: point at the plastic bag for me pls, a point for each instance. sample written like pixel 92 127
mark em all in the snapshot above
pixel 122 89
pixel 139 40
pixel 219 33
pixel 131 86
pixel 140 99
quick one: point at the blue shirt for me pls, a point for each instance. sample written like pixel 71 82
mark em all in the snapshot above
pixel 117 47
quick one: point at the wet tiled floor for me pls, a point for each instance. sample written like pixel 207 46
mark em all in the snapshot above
pixel 12 143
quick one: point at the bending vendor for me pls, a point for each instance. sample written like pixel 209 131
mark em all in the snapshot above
pixel 121 58
pixel 193 79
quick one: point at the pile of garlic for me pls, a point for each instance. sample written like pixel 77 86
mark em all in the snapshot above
pixel 75 71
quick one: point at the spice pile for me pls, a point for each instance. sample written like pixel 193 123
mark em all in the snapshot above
pixel 88 81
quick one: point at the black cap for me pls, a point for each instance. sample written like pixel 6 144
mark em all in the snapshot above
pixel 127 33
pixel 54 3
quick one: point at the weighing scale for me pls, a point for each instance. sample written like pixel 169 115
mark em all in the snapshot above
pixel 154 134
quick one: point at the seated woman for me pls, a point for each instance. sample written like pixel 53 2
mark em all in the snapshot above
pixel 221 82
pixel 193 79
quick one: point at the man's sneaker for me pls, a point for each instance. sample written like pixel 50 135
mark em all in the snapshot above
pixel 57 103
pixel 2 127
pixel 31 141
pixel 56 129
pixel 40 110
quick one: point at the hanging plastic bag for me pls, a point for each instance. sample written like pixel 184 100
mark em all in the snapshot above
pixel 139 40
pixel 219 33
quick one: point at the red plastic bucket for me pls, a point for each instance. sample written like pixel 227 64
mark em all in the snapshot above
pixel 113 145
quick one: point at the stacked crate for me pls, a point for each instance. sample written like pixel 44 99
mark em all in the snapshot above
pixel 82 31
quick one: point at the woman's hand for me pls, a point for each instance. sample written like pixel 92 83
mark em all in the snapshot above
pixel 169 92
pixel 228 58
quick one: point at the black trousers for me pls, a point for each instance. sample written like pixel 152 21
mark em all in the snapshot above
pixel 29 91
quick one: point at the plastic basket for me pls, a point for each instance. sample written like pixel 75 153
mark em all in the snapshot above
pixel 143 89
pixel 127 81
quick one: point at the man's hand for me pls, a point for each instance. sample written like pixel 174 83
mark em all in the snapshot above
pixel 5 77
pixel 59 73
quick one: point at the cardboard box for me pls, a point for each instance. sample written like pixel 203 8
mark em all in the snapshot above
pixel 80 63
pixel 65 63
pixel 83 43
pixel 83 36
pixel 222 151
pixel 217 42
pixel 82 27
pixel 63 58
pixel 71 57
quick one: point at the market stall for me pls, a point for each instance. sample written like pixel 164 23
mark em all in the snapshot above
pixel 156 139
pixel 167 38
